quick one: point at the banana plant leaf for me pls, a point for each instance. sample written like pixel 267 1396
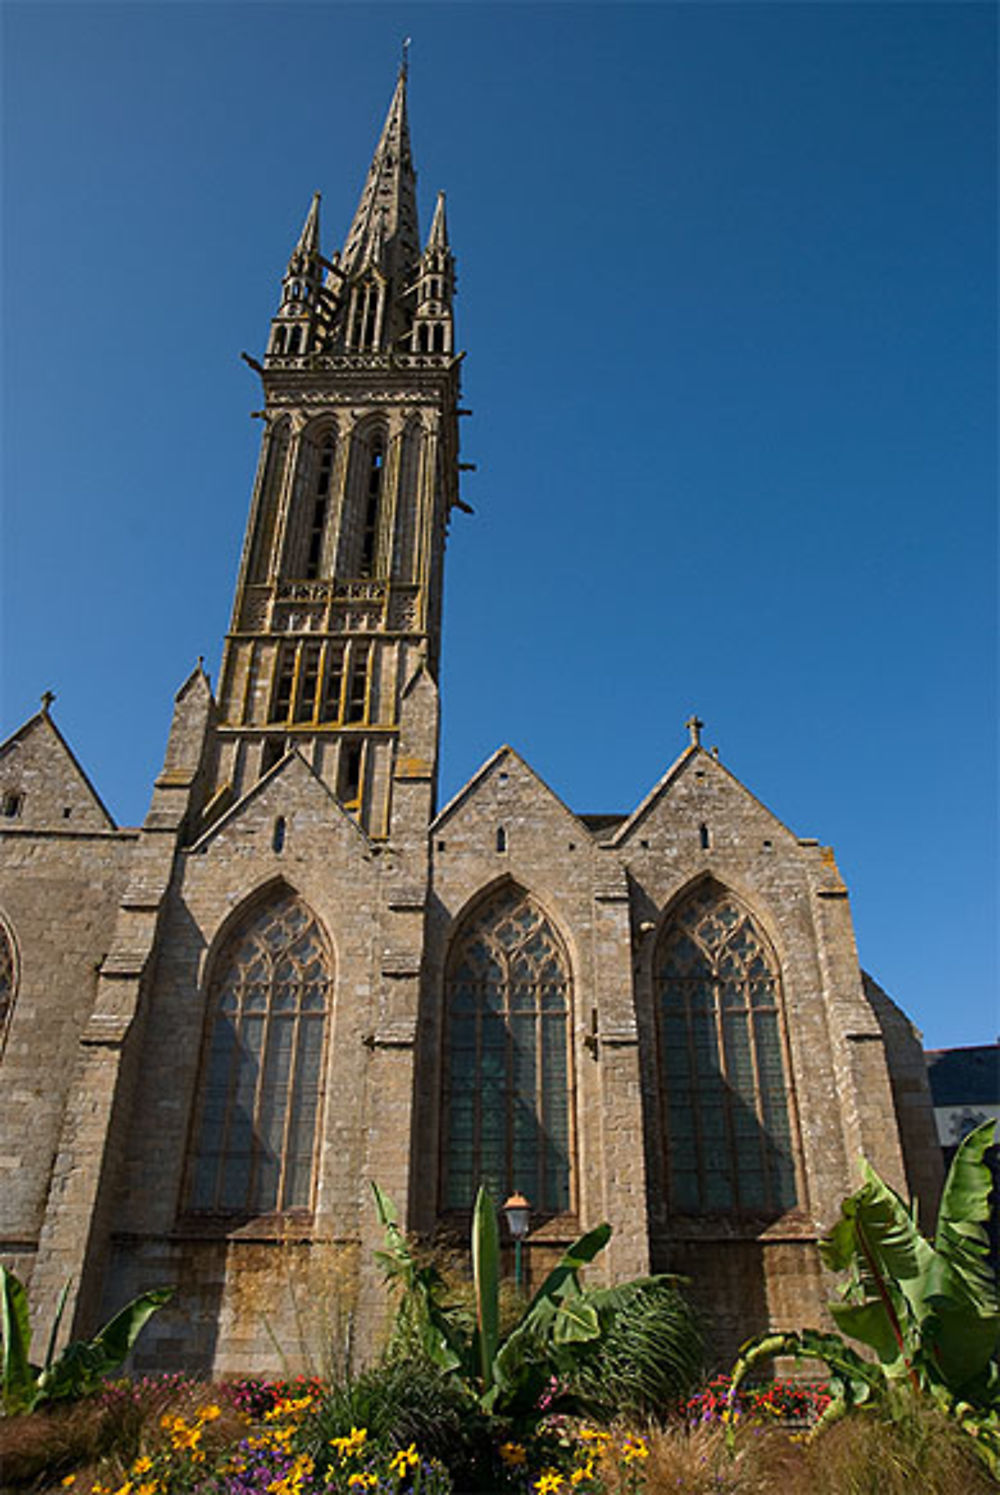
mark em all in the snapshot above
pixel 18 1382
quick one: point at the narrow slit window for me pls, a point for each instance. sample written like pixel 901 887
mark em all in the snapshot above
pixel 278 836
pixel 501 838
pixel 704 837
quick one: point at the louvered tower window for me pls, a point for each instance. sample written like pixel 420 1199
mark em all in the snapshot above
pixel 726 1101
pixel 261 1082
pixel 506 1074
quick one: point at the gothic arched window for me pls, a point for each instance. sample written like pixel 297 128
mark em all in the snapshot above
pixel 726 1104
pixel 8 983
pixel 506 1071
pixel 262 1071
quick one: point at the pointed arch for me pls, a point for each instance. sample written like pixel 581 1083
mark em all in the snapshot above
pixel 506 1119
pixel 8 980
pixel 269 988
pixel 726 1100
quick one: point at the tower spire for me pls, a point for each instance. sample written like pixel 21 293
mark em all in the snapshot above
pixel 384 229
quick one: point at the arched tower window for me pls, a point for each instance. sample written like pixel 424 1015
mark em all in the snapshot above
pixel 726 1105
pixel 506 1071
pixel 320 505
pixel 8 983
pixel 373 499
pixel 262 1070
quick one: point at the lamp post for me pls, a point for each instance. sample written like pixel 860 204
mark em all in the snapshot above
pixel 517 1213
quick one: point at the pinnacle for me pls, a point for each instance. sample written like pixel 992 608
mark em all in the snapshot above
pixel 309 237
pixel 438 236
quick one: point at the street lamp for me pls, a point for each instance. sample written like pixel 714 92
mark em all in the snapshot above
pixel 517 1213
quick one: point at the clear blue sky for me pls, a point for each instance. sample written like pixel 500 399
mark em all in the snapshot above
pixel 728 290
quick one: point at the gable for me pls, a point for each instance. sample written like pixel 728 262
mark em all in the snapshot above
pixel 507 790
pixel 292 794
pixel 43 787
pixel 698 791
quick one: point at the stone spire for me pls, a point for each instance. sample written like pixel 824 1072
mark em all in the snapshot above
pixel 438 236
pixel 384 231
pixel 308 245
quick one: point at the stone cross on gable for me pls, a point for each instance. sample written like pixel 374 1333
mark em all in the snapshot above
pixel 694 725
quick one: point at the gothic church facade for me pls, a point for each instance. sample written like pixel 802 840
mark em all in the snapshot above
pixel 299 974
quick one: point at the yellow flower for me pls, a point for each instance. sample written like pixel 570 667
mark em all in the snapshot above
pixel 513 1454
pixel 68 1480
pixel 595 1435
pixel 141 1465
pixel 634 1448
pixel 150 1488
pixel 351 1443
pixel 209 1413
pixel 585 1471
pixel 548 1482
pixel 405 1459
pixel 363 1478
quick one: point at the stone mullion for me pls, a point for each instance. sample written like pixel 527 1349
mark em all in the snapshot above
pixel 284 502
pixel 338 503
pixel 386 534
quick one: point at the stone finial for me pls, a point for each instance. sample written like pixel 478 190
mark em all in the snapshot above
pixel 694 725
pixel 48 697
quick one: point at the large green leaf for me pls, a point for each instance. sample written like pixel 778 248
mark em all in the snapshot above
pixel 18 1379
pixel 871 1325
pixel 486 1279
pixel 81 1366
pixel 564 1279
pixel 575 1322
pixel 965 1205
pixel 120 1333
pixel 533 1339
pixel 54 1334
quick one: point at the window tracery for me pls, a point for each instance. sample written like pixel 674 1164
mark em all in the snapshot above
pixel 726 1102
pixel 8 983
pixel 506 1072
pixel 262 1071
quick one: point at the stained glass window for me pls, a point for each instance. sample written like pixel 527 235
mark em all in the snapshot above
pixel 262 1075
pixel 506 1073
pixel 725 1090
pixel 7 983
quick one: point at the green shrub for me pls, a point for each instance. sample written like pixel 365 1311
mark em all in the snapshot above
pixel 400 1401
pixel 648 1358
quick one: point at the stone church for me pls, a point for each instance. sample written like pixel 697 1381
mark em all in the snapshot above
pixel 301 974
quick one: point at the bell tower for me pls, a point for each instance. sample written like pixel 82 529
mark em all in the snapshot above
pixel 338 601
